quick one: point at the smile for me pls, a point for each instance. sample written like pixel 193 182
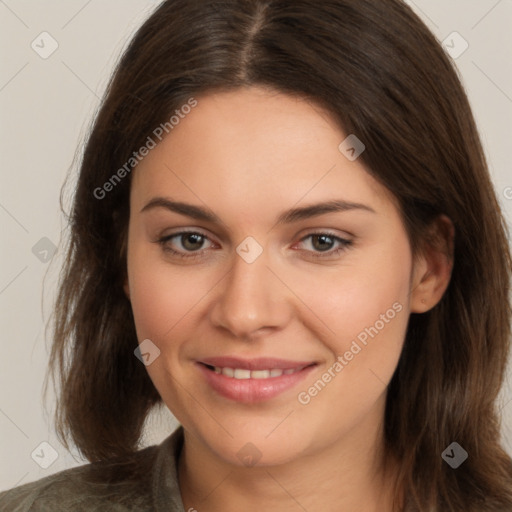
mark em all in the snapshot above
pixel 242 373
pixel 250 381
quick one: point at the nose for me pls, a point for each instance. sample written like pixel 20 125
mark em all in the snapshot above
pixel 251 300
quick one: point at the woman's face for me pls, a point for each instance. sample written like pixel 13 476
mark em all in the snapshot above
pixel 269 278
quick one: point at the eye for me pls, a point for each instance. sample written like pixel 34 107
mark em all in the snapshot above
pixel 322 244
pixel 187 242
pixel 190 244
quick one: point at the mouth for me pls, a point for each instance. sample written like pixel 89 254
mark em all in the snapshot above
pixel 251 381
pixel 242 373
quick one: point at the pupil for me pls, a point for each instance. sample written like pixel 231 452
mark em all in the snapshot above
pixel 323 239
pixel 194 237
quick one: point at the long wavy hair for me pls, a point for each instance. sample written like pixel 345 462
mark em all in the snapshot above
pixel 384 76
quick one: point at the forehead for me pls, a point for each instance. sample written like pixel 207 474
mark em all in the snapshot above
pixel 251 147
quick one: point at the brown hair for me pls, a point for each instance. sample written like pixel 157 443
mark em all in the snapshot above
pixel 384 77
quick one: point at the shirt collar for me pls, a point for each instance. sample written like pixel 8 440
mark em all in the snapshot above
pixel 166 490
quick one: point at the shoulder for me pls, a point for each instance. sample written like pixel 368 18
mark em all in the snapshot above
pixel 121 485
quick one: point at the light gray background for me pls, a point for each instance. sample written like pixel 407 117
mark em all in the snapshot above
pixel 46 107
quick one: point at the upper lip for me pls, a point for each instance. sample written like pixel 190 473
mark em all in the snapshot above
pixel 260 363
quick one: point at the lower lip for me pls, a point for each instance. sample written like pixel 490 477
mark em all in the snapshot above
pixel 252 390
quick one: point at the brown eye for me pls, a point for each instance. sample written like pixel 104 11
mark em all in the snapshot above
pixel 191 241
pixel 323 242
pixel 323 245
pixel 185 244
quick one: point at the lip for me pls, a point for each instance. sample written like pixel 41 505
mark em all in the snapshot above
pixel 253 390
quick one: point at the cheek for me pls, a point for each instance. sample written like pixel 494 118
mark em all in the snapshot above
pixel 166 298
pixel 365 306
pixel 159 298
pixel 355 295
pixel 162 302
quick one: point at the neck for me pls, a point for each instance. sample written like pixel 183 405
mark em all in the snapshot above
pixel 350 475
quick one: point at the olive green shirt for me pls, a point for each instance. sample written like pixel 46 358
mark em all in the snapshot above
pixel 146 481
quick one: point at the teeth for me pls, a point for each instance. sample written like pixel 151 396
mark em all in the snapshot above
pixel 242 373
pixel 228 372
pixel 260 374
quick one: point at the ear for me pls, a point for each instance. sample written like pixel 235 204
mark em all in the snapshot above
pixel 432 268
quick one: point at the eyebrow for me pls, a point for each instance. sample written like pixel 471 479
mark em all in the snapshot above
pixel 287 217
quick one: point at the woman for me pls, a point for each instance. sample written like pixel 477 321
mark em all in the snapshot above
pixel 284 230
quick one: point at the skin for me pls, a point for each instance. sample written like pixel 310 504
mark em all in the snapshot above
pixel 248 155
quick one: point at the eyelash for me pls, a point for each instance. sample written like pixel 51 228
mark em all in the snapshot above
pixel 163 242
